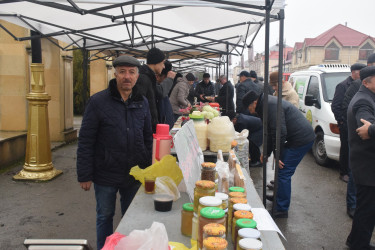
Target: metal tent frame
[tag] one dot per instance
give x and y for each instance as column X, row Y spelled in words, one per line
column 195, row 50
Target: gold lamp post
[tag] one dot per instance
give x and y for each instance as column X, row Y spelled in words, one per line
column 38, row 160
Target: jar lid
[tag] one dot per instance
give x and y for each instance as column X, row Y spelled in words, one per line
column 237, row 195
column 212, row 213
column 238, row 200
column 237, row 189
column 240, row 206
column 210, row 201
column 212, row 243
column 209, row 165
column 249, row 243
column 188, row 207
column 196, row 117
column 222, row 196
column 214, row 229
column 205, row 184
column 249, row 233
column 246, row 223
column 240, row 214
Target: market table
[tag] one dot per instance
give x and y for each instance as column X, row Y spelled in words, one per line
column 141, row 214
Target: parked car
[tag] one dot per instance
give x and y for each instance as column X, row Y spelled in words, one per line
column 316, row 88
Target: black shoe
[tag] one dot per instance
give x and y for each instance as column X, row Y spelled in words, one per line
column 269, row 197
column 350, row 212
column 344, row 178
column 255, row 164
column 279, row 214
column 270, row 186
column 272, row 182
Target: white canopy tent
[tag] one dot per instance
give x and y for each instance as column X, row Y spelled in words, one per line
column 195, row 34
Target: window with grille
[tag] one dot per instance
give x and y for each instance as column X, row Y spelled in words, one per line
column 365, row 51
column 332, row 52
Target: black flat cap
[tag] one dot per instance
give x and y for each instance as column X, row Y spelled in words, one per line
column 357, row 66
column 253, row 74
column 206, row 75
column 366, row 72
column 249, row 98
column 244, row 73
column 371, row 59
column 126, row 61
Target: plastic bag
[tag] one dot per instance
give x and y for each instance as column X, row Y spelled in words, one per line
column 166, row 167
column 165, row 185
column 153, row 238
column 222, row 169
column 112, row 240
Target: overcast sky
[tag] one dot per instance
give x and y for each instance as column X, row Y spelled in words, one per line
column 310, row 18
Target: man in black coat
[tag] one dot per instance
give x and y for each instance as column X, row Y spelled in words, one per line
column 147, row 82
column 362, row 161
column 242, row 88
column 226, row 95
column 338, row 112
column 205, row 89
column 115, row 136
column 297, row 137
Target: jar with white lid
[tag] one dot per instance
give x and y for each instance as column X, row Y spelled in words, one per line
column 250, row 244
column 224, row 198
column 209, row 201
column 245, row 233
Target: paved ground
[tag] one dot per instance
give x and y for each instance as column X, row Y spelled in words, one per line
column 60, row 209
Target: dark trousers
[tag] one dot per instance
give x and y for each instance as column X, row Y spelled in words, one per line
column 105, row 208
column 344, row 151
column 254, row 152
column 364, row 218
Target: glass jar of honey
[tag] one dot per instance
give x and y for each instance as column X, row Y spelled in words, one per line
column 209, row 215
column 202, row 188
column 240, row 214
column 208, row 201
column 233, row 201
column 243, row 223
column 208, row 171
column 224, row 198
column 237, row 189
column 187, row 214
column 250, row 244
column 215, row 243
column 213, row 230
column 245, row 233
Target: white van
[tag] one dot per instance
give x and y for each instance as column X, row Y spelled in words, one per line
column 316, row 88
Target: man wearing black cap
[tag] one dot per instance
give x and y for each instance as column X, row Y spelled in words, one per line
column 362, row 161
column 243, row 87
column 297, row 137
column 225, row 95
column 115, row 136
column 147, row 82
column 338, row 111
column 205, row 89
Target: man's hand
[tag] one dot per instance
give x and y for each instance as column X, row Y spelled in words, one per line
column 281, row 164
column 171, row 74
column 363, row 131
column 261, row 158
column 201, row 97
column 85, row 185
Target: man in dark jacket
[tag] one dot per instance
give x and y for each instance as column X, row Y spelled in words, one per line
column 204, row 89
column 115, row 136
column 338, row 112
column 147, row 82
column 362, row 161
column 297, row 137
column 226, row 94
column 243, row 87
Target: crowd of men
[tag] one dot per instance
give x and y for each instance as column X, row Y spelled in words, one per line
column 118, row 123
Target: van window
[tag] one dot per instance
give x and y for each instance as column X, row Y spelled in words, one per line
column 299, row 86
column 329, row 83
column 313, row 88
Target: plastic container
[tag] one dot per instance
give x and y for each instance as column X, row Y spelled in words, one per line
column 202, row 188
column 240, row 214
column 209, row 201
column 236, row 189
column 200, row 130
column 245, row 233
column 163, row 202
column 215, row 243
column 209, row 215
column 250, row 244
column 214, row 230
column 224, row 198
column 194, row 229
column 162, row 142
column 208, row 171
column 220, row 132
column 187, row 214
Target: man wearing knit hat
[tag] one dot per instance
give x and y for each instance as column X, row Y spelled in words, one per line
column 205, row 89
column 338, row 111
column 147, row 82
column 297, row 137
column 362, row 161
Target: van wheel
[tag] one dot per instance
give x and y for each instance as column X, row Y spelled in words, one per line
column 319, row 150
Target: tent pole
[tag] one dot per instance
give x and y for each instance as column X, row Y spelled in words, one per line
column 227, row 96
column 152, row 27
column 279, row 108
column 132, row 38
column 265, row 97
column 85, row 76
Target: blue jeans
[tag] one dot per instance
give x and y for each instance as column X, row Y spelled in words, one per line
column 350, row 191
column 291, row 158
column 105, row 208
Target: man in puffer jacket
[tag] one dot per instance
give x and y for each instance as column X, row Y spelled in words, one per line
column 115, row 136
